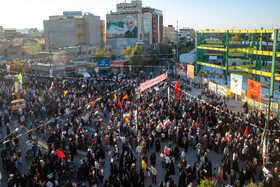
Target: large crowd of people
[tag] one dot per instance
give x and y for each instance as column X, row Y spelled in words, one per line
column 137, row 139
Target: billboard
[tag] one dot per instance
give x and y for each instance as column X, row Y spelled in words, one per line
column 103, row 63
column 122, row 26
column 236, row 83
column 72, row 13
column 190, row 71
column 181, row 69
column 254, row 90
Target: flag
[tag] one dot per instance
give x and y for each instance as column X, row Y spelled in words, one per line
column 176, row 103
column 246, row 131
column 160, row 102
column 89, row 96
column 159, row 122
column 139, row 109
column 264, row 132
column 126, row 115
column 107, row 90
column 264, row 143
column 88, row 106
column 119, row 102
column 228, row 137
column 177, row 93
column 51, row 87
column 28, row 90
column 166, row 122
column 184, row 114
column 125, row 97
column 97, row 112
column 60, row 154
column 83, row 86
column 115, row 97
column 135, row 104
column 63, row 83
column 151, row 105
column 50, row 175
column 65, row 92
column 20, row 78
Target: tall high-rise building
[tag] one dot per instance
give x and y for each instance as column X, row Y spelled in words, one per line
column 133, row 24
column 72, row 28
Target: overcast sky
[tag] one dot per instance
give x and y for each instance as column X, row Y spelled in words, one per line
column 197, row 14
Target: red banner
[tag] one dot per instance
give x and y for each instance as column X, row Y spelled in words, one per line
column 254, row 90
column 177, row 91
column 150, row 83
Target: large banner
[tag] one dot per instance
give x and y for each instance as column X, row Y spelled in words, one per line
column 122, row 26
column 222, row 90
column 254, row 90
column 150, row 83
column 236, row 83
column 190, row 72
column 181, row 69
column 212, row 86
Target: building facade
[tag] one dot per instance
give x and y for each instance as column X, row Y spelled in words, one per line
column 168, row 33
column 133, row 24
column 73, row 29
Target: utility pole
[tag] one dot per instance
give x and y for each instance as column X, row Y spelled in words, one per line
column 271, row 94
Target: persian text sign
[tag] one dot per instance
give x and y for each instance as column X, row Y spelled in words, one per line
column 235, row 83
column 148, row 84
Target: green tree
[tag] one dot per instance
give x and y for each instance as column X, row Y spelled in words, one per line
column 137, row 55
column 101, row 54
column 165, row 50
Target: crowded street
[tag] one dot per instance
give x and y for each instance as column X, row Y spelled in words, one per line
column 93, row 132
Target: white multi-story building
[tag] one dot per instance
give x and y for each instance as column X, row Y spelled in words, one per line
column 73, row 29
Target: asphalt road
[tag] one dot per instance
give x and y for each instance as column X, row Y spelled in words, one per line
column 23, row 140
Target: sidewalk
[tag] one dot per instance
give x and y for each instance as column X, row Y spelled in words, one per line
column 231, row 104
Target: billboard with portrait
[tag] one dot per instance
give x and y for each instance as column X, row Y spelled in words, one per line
column 122, row 26
column 181, row 69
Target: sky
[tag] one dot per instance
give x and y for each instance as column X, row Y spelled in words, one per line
column 197, row 14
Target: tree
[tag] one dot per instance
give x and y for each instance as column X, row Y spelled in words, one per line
column 165, row 50
column 101, row 54
column 137, row 55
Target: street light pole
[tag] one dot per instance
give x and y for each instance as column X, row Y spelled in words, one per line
column 50, row 54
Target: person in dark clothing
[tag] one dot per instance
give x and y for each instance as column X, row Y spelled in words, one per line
column 232, row 177
column 153, row 159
